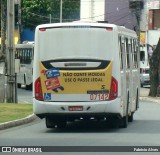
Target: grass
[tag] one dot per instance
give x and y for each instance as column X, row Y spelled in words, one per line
column 11, row 111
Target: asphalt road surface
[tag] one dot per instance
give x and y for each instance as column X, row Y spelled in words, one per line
column 143, row 131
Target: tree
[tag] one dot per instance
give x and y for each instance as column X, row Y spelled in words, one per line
column 35, row 12
column 3, row 29
column 155, row 72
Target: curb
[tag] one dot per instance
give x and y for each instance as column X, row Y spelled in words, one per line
column 150, row 99
column 18, row 122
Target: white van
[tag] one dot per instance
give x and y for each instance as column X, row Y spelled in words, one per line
column 84, row 71
column 144, row 66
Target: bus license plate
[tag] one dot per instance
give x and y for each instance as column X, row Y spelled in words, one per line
column 75, row 108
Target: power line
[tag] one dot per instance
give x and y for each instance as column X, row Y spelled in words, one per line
column 121, row 18
column 76, row 19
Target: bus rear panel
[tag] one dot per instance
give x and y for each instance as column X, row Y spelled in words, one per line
column 74, row 72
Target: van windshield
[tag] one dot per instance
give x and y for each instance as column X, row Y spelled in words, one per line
column 142, row 55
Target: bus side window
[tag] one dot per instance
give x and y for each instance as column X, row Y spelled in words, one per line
column 130, row 53
column 132, row 44
column 127, row 54
column 120, row 53
column 135, row 54
column 123, row 52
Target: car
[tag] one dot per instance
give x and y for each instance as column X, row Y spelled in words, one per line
column 144, row 66
column 144, row 76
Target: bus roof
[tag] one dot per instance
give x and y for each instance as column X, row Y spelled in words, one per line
column 24, row 45
column 119, row 29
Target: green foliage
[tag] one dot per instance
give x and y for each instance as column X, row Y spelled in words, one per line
column 11, row 111
column 35, row 12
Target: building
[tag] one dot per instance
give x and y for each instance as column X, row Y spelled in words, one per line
column 150, row 15
column 92, row 10
column 118, row 12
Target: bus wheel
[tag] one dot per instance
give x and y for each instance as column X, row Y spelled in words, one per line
column 19, row 85
column 130, row 118
column 29, row 87
column 124, row 120
column 49, row 122
column 61, row 124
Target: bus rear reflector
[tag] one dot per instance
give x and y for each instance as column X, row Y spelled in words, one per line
column 38, row 90
column 42, row 29
column 114, row 89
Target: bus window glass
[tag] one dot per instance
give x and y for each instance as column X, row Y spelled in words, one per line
column 127, row 54
column 135, row 55
column 121, row 53
column 25, row 55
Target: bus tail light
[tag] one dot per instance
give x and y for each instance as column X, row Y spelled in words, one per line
column 114, row 89
column 109, row 28
column 38, row 90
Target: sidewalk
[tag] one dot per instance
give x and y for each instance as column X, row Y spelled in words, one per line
column 143, row 97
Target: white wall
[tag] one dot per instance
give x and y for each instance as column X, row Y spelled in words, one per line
column 92, row 10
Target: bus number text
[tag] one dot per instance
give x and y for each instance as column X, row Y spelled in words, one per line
column 99, row 97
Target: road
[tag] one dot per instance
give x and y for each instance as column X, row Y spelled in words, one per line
column 143, row 131
column 24, row 96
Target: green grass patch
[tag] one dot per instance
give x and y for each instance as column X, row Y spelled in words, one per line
column 11, row 111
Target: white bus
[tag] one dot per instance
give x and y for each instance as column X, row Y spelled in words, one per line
column 85, row 71
column 25, row 53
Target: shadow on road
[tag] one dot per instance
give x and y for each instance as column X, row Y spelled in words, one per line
column 137, row 126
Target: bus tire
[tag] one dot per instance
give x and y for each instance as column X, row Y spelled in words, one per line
column 18, row 85
column 124, row 122
column 130, row 118
column 49, row 122
column 29, row 87
column 61, row 124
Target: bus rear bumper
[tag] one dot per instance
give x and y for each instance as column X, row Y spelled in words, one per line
column 81, row 109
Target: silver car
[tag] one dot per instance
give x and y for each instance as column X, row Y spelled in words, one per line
column 144, row 76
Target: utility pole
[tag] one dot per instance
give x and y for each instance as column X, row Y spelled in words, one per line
column 138, row 14
column 11, row 82
column 19, row 21
column 61, row 12
column 50, row 18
